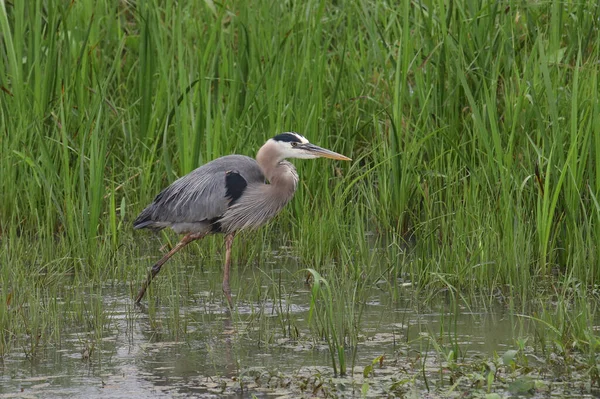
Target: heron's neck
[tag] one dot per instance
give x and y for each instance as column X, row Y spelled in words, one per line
column 281, row 174
column 268, row 160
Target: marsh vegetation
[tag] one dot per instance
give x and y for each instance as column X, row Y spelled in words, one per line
column 475, row 132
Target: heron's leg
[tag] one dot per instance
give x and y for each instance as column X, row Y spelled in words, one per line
column 226, row 290
column 156, row 268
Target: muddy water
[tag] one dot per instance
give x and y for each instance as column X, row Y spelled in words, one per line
column 196, row 348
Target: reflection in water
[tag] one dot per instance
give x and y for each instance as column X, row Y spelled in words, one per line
column 198, row 348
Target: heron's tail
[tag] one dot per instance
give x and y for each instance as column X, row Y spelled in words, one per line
column 145, row 221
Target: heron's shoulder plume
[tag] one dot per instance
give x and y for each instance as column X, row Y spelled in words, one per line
column 235, row 184
column 290, row 137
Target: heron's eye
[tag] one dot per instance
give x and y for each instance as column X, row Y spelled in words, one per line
column 294, row 144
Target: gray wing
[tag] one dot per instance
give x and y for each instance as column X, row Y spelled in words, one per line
column 203, row 195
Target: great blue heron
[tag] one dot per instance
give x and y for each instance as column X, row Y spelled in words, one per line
column 229, row 194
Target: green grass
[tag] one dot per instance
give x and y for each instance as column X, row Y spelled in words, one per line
column 474, row 128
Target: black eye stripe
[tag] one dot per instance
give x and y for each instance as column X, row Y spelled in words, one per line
column 287, row 137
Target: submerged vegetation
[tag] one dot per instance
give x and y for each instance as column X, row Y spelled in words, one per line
column 474, row 127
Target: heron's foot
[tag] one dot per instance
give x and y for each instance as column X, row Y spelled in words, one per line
column 140, row 306
column 155, row 269
column 227, row 292
column 309, row 278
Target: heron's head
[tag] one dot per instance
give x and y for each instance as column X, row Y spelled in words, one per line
column 293, row 145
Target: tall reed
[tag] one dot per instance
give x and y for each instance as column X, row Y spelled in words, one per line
column 473, row 125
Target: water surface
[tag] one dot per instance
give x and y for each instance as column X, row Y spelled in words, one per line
column 190, row 345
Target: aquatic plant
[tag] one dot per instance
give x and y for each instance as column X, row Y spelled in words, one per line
column 473, row 125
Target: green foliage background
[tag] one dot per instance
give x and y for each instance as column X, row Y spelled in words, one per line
column 473, row 125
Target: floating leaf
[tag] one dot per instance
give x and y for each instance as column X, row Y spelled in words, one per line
column 522, row 386
column 509, row 357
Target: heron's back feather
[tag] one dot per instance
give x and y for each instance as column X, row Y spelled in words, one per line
column 191, row 202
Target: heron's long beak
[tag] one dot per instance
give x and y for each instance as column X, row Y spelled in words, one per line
column 322, row 152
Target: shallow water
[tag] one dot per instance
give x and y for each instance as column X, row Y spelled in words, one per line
column 191, row 346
